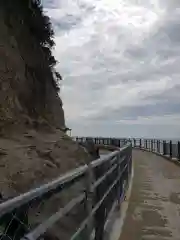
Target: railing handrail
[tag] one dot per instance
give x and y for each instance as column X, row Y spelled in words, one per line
column 26, row 197
column 7, row 206
column 64, row 179
column 115, row 166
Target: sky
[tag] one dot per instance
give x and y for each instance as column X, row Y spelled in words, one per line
column 120, row 63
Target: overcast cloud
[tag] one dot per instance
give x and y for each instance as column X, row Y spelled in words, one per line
column 120, row 61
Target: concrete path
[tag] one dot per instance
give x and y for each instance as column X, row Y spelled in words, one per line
column 154, row 205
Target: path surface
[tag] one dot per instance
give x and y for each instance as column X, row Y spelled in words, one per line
column 154, row 205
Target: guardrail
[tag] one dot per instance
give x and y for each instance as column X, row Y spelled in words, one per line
column 118, row 142
column 170, row 149
column 103, row 183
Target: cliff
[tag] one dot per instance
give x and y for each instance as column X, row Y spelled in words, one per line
column 33, row 149
column 28, row 89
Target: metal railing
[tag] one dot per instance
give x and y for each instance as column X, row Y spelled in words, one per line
column 166, row 148
column 102, row 183
column 118, row 142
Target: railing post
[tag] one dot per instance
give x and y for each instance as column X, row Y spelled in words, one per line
column 157, row 146
column 159, row 149
column 164, row 147
column 134, row 142
column 119, row 185
column 100, row 214
column 178, row 146
column 116, row 142
column 140, row 142
column 154, row 141
column 151, row 145
column 170, row 149
column 89, row 200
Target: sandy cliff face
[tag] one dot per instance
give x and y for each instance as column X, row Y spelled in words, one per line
column 33, row 149
column 26, row 84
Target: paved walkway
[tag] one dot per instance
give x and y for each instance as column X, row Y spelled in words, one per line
column 154, row 204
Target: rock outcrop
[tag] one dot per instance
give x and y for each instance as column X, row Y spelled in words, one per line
column 28, row 94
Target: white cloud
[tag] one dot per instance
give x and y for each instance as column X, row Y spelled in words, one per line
column 117, row 54
column 155, row 120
